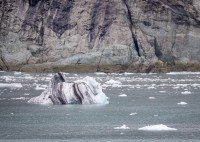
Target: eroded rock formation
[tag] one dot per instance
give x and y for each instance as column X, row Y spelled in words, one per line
column 98, row 32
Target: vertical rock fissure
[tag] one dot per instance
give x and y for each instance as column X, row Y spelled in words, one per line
column 131, row 26
column 2, row 58
column 94, row 22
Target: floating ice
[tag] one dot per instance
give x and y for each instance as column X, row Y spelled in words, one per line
column 151, row 87
column 100, row 73
column 159, row 127
column 85, row 91
column 186, row 92
column 39, row 88
column 17, row 73
column 122, row 95
column 10, row 85
column 7, row 78
column 113, row 82
column 123, row 127
column 20, row 98
column 175, row 73
column 26, row 94
column 133, row 113
column 182, row 103
column 152, row 98
column 128, row 73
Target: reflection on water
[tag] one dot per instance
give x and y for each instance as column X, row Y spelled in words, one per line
column 135, row 101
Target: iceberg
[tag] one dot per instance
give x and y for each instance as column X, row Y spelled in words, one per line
column 84, row 91
column 123, row 127
column 159, row 127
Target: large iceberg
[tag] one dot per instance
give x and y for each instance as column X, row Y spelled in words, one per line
column 85, row 91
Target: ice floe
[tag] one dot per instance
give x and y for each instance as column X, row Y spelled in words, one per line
column 175, row 73
column 10, row 85
column 134, row 113
column 186, row 93
column 122, row 95
column 17, row 73
column 39, row 88
column 20, row 98
column 159, row 127
column 113, row 82
column 123, row 127
column 152, row 98
column 182, row 103
column 100, row 73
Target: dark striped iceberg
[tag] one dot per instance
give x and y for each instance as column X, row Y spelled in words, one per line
column 85, row 91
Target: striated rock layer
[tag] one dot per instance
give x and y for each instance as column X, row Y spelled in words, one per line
column 98, row 32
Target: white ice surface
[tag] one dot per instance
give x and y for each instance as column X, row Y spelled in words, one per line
column 123, row 127
column 159, row 127
column 112, row 82
column 134, row 113
column 152, row 98
column 123, row 95
column 20, row 98
column 182, row 103
column 10, row 85
column 175, row 73
column 186, row 92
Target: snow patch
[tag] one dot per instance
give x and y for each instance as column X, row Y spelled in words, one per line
column 159, row 127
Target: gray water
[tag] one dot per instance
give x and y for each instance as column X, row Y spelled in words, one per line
column 152, row 98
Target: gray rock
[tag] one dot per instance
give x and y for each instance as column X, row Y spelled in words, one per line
column 116, row 32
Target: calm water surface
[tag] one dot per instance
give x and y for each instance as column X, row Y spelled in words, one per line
column 151, row 99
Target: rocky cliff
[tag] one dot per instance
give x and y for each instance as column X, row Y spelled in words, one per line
column 98, row 32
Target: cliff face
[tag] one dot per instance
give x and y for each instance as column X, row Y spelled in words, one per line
column 116, row 32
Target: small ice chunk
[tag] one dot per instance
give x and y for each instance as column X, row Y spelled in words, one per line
column 7, row 78
column 20, row 98
column 151, row 87
column 123, row 95
column 10, row 85
column 26, row 94
column 182, row 103
column 111, row 82
column 133, row 113
column 123, row 127
column 128, row 73
column 162, row 91
column 100, row 73
column 159, row 127
column 186, row 92
column 17, row 73
column 11, row 113
column 39, row 88
column 152, row 98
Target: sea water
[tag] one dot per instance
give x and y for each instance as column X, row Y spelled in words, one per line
column 142, row 108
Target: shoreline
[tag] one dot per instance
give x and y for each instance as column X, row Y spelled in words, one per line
column 85, row 68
